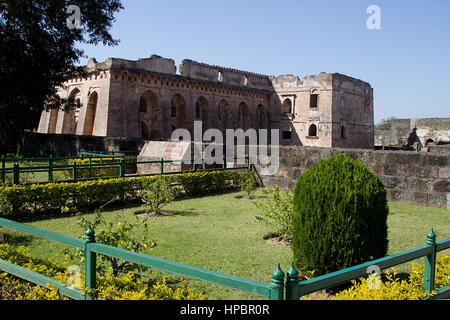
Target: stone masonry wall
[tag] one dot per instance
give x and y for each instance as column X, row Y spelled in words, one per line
column 65, row 145
column 411, row 177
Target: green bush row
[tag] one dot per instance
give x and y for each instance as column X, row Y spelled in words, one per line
column 33, row 199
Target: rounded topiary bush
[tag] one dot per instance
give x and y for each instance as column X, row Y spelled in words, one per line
column 340, row 216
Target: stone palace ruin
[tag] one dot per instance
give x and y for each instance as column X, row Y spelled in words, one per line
column 148, row 99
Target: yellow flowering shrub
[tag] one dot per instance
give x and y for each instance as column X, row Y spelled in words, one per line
column 394, row 288
column 126, row 287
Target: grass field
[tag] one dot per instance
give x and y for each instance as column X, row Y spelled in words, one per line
column 221, row 233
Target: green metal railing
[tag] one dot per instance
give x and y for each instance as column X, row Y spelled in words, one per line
column 295, row 289
column 283, row 286
column 105, row 162
column 273, row 291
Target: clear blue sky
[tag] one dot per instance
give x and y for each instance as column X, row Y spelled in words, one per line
column 406, row 62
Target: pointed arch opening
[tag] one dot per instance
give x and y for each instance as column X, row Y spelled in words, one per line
column 202, row 105
column 178, row 112
column 72, row 113
column 263, row 117
column 150, row 114
column 244, row 116
column 91, row 111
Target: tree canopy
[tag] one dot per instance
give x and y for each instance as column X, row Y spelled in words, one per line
column 38, row 52
column 385, row 124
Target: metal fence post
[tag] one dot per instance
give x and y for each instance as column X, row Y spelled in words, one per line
column 74, row 171
column 247, row 159
column 292, row 279
column 15, row 173
column 430, row 263
column 278, row 282
column 224, row 163
column 90, row 262
column 50, row 169
column 162, row 166
column 3, row 176
column 122, row 168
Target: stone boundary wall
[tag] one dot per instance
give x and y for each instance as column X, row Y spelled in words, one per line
column 411, row 177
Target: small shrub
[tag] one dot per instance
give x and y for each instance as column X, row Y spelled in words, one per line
column 156, row 193
column 340, row 216
column 248, row 183
column 125, row 235
column 277, row 210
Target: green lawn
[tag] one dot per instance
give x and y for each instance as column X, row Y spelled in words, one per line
column 220, row 233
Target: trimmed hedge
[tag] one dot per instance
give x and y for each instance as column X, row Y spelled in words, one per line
column 340, row 216
column 35, row 199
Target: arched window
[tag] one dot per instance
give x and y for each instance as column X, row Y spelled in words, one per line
column 244, row 120
column 287, row 106
column 178, row 111
column 225, row 117
column 203, row 107
column 220, row 76
column 198, row 111
column 314, row 101
column 342, row 131
column 72, row 113
column 143, row 105
column 263, row 117
column 150, row 113
column 312, row 131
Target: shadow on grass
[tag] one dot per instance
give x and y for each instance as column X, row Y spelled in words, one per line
column 15, row 240
column 166, row 213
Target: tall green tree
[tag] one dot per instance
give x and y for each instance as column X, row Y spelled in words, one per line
column 38, row 52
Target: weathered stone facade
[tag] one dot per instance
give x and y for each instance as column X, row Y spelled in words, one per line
column 148, row 99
